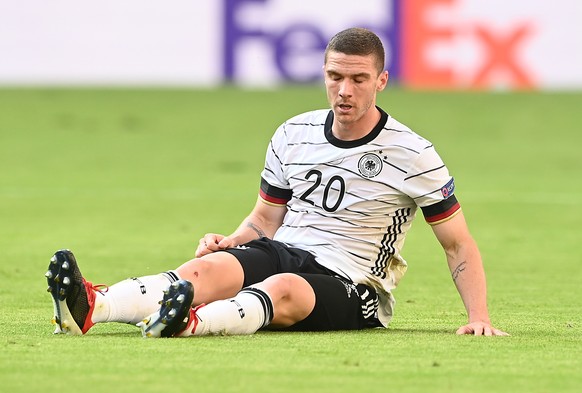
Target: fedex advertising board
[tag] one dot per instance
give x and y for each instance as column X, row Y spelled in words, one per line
column 434, row 44
column 278, row 40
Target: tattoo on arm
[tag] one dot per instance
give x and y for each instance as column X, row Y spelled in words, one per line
column 460, row 268
column 255, row 228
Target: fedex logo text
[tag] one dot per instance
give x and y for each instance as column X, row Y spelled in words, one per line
column 294, row 46
column 429, row 43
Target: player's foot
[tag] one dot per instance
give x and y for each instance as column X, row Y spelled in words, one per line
column 175, row 313
column 73, row 297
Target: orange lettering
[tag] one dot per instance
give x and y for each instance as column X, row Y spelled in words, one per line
column 500, row 56
column 417, row 34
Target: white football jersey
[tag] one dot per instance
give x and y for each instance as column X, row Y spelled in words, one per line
column 351, row 203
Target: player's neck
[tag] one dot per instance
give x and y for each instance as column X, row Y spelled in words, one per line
column 351, row 131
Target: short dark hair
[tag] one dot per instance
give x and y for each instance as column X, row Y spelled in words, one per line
column 357, row 41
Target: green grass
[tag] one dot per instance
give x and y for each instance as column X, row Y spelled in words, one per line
column 130, row 180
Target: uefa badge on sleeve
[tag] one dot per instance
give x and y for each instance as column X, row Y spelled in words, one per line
column 448, row 189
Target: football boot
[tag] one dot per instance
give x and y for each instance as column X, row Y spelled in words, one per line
column 175, row 313
column 73, row 297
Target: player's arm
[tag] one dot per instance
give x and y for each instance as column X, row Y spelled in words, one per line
column 263, row 221
column 466, row 266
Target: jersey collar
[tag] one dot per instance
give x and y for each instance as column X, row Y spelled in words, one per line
column 357, row 142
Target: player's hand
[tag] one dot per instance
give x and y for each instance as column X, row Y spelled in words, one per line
column 212, row 242
column 481, row 329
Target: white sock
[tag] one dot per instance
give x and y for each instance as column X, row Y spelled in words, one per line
column 247, row 312
column 131, row 300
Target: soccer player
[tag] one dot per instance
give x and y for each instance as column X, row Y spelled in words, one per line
column 321, row 248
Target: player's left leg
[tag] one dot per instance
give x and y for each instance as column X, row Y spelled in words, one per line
column 340, row 305
column 280, row 301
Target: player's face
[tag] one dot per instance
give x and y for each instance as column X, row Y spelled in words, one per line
column 352, row 83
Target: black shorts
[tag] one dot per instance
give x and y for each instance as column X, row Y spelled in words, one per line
column 340, row 304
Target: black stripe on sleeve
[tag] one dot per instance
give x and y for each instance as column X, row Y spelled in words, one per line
column 276, row 195
column 440, row 209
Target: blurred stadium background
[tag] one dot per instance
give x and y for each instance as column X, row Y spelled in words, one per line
column 444, row 44
column 128, row 128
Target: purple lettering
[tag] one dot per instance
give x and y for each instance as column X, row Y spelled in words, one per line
column 298, row 47
column 234, row 33
column 298, row 53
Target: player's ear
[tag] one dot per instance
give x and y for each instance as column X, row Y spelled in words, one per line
column 382, row 80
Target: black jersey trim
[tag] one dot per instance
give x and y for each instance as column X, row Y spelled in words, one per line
column 358, row 142
column 275, row 195
column 442, row 210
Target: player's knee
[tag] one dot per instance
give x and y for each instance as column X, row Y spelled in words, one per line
column 293, row 298
column 220, row 266
column 196, row 268
column 288, row 288
column 279, row 286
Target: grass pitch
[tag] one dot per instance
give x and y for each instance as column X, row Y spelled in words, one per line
column 130, row 180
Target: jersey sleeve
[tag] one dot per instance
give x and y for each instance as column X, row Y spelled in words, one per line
column 431, row 187
column 275, row 188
